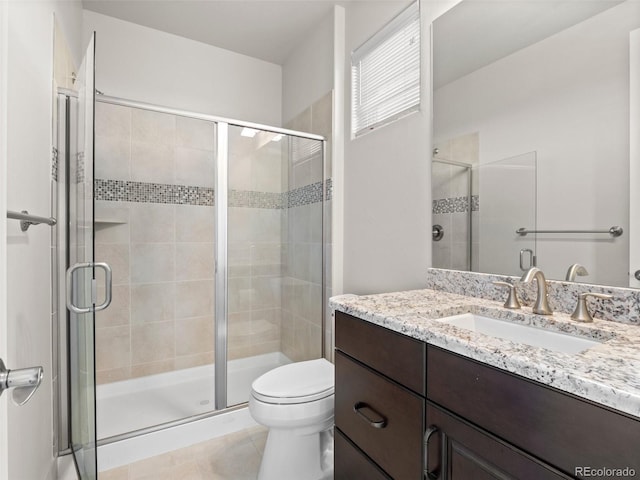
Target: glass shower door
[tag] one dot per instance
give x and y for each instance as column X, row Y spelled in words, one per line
column 508, row 199
column 273, row 255
column 256, row 164
column 80, row 277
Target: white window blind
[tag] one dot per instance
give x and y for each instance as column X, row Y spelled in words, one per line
column 385, row 73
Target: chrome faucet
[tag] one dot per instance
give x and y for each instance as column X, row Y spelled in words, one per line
column 575, row 269
column 541, row 306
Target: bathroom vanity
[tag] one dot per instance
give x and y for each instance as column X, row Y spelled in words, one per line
column 417, row 397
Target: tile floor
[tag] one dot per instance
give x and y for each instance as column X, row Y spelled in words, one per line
column 232, row 457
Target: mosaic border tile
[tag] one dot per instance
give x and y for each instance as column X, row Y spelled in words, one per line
column 54, row 164
column 475, row 203
column 455, row 205
column 254, row 199
column 306, row 195
column 80, row 167
column 143, row 192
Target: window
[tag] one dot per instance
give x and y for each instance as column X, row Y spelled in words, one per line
column 385, row 73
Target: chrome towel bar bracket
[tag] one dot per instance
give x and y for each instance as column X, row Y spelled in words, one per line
column 614, row 231
column 26, row 219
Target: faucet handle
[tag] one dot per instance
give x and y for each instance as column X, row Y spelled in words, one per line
column 581, row 313
column 512, row 299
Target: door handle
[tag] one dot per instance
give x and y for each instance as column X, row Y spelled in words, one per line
column 532, row 259
column 367, row 414
column 24, row 381
column 428, row 473
column 107, row 286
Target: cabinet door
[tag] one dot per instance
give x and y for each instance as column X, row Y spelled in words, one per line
column 459, row 451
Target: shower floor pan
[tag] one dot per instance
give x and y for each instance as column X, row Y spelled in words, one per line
column 130, row 405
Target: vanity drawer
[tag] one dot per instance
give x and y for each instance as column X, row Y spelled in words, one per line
column 352, row 464
column 397, row 356
column 396, row 445
column 556, row 427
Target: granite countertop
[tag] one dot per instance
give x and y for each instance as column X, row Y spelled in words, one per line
column 608, row 373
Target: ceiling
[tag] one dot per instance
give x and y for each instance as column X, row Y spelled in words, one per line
column 264, row 29
column 469, row 36
column 476, row 33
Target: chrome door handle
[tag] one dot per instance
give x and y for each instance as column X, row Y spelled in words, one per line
column 24, row 381
column 107, row 280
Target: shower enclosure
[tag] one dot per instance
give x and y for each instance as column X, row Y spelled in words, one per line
column 452, row 214
column 478, row 206
column 213, row 230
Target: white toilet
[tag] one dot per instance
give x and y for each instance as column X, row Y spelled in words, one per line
column 296, row 402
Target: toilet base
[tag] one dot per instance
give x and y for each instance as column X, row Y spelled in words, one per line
column 297, row 457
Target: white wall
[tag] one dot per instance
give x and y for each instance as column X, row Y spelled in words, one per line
column 28, row 75
column 572, row 109
column 4, row 344
column 307, row 74
column 148, row 65
column 387, row 186
column 634, row 157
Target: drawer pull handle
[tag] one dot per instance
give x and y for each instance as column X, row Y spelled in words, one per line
column 361, row 407
column 435, row 475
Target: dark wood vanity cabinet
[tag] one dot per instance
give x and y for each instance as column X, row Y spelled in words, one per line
column 380, row 402
column 466, row 452
column 408, row 411
column 563, row 434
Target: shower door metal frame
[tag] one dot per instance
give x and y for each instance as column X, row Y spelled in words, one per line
column 221, row 266
column 221, row 319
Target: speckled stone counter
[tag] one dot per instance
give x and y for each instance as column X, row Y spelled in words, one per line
column 608, row 373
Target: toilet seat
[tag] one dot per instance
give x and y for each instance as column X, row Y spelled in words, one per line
column 299, row 382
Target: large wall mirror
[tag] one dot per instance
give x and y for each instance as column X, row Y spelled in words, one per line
column 532, row 119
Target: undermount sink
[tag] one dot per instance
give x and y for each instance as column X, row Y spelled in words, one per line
column 535, row 337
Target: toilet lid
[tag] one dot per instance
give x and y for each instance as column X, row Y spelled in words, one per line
column 297, row 382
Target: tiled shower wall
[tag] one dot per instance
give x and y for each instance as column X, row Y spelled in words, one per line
column 154, row 224
column 302, row 287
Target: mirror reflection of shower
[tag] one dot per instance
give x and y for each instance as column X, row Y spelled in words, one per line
column 455, row 202
column 471, row 238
